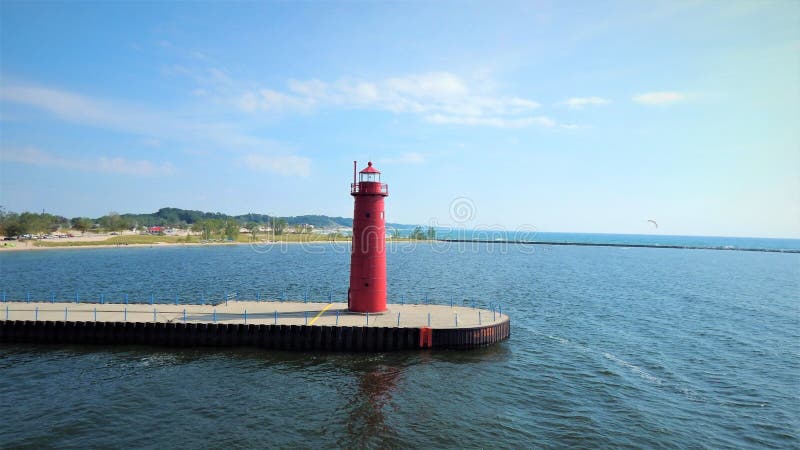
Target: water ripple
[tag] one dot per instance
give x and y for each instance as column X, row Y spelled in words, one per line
column 637, row 348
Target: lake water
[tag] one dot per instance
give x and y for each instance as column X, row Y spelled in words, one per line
column 610, row 347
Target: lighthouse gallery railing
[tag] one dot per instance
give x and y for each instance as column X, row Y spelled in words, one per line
column 369, row 188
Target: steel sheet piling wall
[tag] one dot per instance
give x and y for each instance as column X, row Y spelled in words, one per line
column 281, row 337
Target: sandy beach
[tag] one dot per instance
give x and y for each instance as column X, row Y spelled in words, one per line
column 29, row 246
column 94, row 241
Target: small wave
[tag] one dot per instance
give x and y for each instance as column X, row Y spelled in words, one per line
column 744, row 404
column 559, row 339
column 158, row 360
column 634, row 368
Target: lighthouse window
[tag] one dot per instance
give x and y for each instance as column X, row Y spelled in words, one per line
column 367, row 214
column 370, row 177
column 366, row 284
column 381, row 214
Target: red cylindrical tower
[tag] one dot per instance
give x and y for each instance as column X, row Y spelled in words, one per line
column 367, row 291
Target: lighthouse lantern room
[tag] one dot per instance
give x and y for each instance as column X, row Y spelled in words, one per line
column 367, row 293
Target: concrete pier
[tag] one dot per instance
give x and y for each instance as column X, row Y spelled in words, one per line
column 277, row 325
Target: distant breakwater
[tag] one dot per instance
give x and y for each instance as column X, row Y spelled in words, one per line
column 609, row 244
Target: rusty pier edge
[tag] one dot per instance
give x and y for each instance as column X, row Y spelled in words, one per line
column 267, row 336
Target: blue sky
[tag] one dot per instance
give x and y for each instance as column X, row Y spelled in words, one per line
column 554, row 116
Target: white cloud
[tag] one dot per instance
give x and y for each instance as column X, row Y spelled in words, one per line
column 69, row 106
column 152, row 125
column 284, row 165
column 405, row 158
column 430, row 85
column 659, row 98
column 84, row 110
column 581, row 102
column 269, row 100
column 37, row 157
column 431, row 94
column 314, row 89
column 499, row 122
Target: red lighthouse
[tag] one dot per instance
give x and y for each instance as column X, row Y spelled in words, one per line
column 367, row 291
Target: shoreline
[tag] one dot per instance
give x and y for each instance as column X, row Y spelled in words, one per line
column 30, row 248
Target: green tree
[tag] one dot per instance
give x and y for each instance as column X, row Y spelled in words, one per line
column 15, row 229
column 31, row 223
column 81, row 224
column 431, row 234
column 205, row 228
column 252, row 227
column 11, row 225
column 198, row 228
column 114, row 222
column 278, row 225
column 231, row 230
column 218, row 227
column 417, row 233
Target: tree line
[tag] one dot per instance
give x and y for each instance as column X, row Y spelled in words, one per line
column 419, row 234
column 13, row 224
column 184, row 218
column 19, row 224
column 207, row 224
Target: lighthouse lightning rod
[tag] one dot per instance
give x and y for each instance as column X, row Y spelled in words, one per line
column 355, row 168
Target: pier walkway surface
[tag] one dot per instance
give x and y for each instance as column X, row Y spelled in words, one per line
column 256, row 313
column 281, row 325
